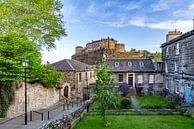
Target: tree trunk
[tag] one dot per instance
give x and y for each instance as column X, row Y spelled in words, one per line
column 104, row 117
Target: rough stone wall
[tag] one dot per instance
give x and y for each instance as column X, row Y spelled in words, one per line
column 184, row 76
column 120, row 48
column 77, row 85
column 38, row 97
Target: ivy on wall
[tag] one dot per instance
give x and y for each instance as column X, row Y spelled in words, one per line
column 6, row 97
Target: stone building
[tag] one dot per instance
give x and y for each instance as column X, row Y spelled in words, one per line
column 178, row 57
column 79, row 75
column 143, row 75
column 94, row 51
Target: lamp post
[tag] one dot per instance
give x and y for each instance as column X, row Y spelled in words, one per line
column 25, row 64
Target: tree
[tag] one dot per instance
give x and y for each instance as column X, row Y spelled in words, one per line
column 39, row 20
column 103, row 92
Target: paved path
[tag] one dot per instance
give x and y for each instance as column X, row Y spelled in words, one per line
column 18, row 122
column 135, row 103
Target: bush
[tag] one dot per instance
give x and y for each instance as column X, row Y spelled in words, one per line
column 125, row 103
column 172, row 104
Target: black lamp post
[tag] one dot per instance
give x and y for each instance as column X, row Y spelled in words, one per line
column 25, row 64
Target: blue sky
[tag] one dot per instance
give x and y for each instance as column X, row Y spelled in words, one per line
column 140, row 24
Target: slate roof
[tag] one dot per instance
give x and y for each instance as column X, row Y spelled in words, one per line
column 183, row 36
column 71, row 65
column 131, row 65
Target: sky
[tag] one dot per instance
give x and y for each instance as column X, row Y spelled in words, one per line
column 140, row 24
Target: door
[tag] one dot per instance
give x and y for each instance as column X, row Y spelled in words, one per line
column 130, row 80
column 66, row 92
column 188, row 95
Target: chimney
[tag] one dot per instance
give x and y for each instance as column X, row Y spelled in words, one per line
column 193, row 23
column 173, row 34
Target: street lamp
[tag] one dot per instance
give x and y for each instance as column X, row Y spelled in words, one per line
column 25, row 64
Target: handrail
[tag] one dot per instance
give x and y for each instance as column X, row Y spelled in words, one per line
column 40, row 113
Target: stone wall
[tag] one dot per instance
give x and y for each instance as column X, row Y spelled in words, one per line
column 179, row 67
column 38, row 97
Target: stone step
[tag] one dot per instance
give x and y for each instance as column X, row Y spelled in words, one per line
column 132, row 91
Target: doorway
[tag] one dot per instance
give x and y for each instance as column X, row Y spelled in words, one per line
column 130, row 80
column 66, row 89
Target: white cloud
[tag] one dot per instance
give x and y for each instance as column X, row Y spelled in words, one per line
column 92, row 9
column 185, row 13
column 68, row 11
column 76, row 21
column 132, row 6
column 162, row 5
column 182, row 25
column 191, row 6
column 108, row 4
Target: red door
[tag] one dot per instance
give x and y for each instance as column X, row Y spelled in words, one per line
column 130, row 81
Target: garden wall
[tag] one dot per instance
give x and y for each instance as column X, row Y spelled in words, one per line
column 38, row 97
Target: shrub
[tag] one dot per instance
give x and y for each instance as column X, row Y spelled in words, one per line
column 148, row 106
column 172, row 104
column 125, row 103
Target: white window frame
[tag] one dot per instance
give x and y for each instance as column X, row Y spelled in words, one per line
column 151, row 78
column 119, row 77
column 167, row 51
column 177, row 49
column 130, row 64
column 175, row 66
column 166, row 67
column 140, row 79
column 167, row 82
column 141, row 64
column 116, row 64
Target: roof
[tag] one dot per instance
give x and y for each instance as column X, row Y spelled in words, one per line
column 71, row 65
column 183, row 36
column 131, row 65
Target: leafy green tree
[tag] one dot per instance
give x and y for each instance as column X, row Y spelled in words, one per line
column 13, row 49
column 40, row 20
column 103, row 92
column 158, row 56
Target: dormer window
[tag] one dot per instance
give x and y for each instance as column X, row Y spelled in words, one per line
column 141, row 64
column 130, row 64
column 116, row 64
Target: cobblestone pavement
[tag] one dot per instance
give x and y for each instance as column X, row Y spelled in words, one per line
column 54, row 113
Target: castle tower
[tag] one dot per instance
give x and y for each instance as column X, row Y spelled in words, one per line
column 120, row 48
column 78, row 49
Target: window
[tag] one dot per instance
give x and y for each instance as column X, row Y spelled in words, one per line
column 90, row 74
column 80, row 77
column 140, row 79
column 167, row 82
column 167, row 51
column 166, row 67
column 86, row 76
column 130, row 64
column 141, row 64
column 177, row 49
column 151, row 79
column 177, row 87
column 116, row 64
column 175, row 66
column 120, row 77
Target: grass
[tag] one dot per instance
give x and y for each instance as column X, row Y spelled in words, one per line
column 153, row 102
column 137, row 122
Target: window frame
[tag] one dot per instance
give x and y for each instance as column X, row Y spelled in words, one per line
column 138, row 79
column 153, row 79
column 119, row 78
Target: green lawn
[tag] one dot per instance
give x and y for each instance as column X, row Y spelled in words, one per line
column 157, row 102
column 137, row 122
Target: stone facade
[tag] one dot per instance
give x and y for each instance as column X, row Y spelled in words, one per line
column 145, row 75
column 38, row 97
column 178, row 57
column 79, row 75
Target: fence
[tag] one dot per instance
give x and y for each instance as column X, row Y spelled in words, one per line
column 67, row 121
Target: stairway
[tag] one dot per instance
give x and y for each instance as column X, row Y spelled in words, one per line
column 132, row 91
